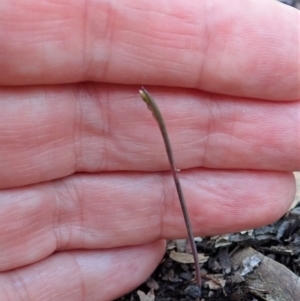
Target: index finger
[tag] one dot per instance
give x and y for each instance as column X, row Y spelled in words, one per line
column 243, row 48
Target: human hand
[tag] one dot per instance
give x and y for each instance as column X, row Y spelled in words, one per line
column 85, row 200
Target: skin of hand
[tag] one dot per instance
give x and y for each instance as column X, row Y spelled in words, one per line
column 86, row 197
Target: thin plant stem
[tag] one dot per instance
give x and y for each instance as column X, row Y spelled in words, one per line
column 152, row 106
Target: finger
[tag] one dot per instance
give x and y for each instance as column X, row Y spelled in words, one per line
column 52, row 132
column 82, row 275
column 230, row 47
column 113, row 210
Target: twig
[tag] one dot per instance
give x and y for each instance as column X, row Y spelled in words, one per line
column 152, row 106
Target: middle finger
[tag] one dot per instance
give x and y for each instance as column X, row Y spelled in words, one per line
column 52, row 132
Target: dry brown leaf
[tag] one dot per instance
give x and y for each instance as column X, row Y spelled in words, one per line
column 149, row 297
column 186, row 258
column 213, row 285
column 270, row 280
